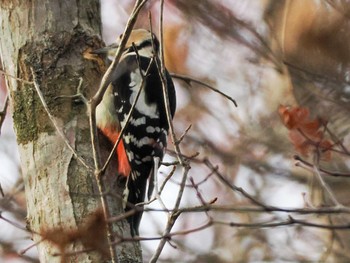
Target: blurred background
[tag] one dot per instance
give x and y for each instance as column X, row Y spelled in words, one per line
column 263, row 54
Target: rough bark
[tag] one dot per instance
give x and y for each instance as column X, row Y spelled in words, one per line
column 48, row 38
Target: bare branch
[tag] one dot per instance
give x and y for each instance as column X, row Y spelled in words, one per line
column 128, row 117
column 3, row 112
column 289, row 222
column 58, row 129
column 106, row 80
column 2, row 192
column 189, row 79
column 256, row 209
column 301, row 163
column 235, row 188
column 13, row 77
column 323, row 183
column 16, row 225
column 162, row 73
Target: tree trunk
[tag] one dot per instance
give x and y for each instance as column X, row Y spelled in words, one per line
column 47, row 39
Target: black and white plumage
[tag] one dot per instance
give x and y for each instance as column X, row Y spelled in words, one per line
column 145, row 136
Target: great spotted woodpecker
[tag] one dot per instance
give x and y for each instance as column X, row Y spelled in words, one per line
column 145, row 136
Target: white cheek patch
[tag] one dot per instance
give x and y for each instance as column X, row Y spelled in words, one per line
column 105, row 111
column 149, row 110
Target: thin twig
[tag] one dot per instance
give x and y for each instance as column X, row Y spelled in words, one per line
column 336, row 140
column 3, row 112
column 255, row 209
column 157, row 192
column 13, row 77
column 235, row 188
column 58, row 129
column 289, row 222
column 17, row 225
column 93, row 103
column 189, row 79
column 106, row 80
column 2, row 192
column 161, row 189
column 167, row 178
column 192, row 230
column 162, row 73
column 200, row 197
column 128, row 118
column 301, row 161
column 122, row 216
column 187, row 157
column 324, row 184
column 284, row 26
column 78, row 96
column 25, row 250
column 206, row 178
column 184, row 134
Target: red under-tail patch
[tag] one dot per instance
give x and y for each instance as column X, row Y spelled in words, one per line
column 123, row 162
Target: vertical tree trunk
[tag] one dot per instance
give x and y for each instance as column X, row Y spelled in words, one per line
column 47, row 38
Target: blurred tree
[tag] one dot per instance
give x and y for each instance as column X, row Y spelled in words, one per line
column 313, row 40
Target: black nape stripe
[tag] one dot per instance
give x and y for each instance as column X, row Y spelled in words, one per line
column 146, row 43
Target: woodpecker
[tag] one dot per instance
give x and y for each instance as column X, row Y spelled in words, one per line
column 145, row 136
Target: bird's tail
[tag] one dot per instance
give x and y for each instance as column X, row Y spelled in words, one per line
column 134, row 194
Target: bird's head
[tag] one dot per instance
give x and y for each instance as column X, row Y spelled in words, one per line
column 139, row 39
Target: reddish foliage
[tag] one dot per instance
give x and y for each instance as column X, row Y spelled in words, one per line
column 92, row 234
column 305, row 133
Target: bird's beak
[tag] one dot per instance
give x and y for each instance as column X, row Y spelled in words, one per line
column 106, row 50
